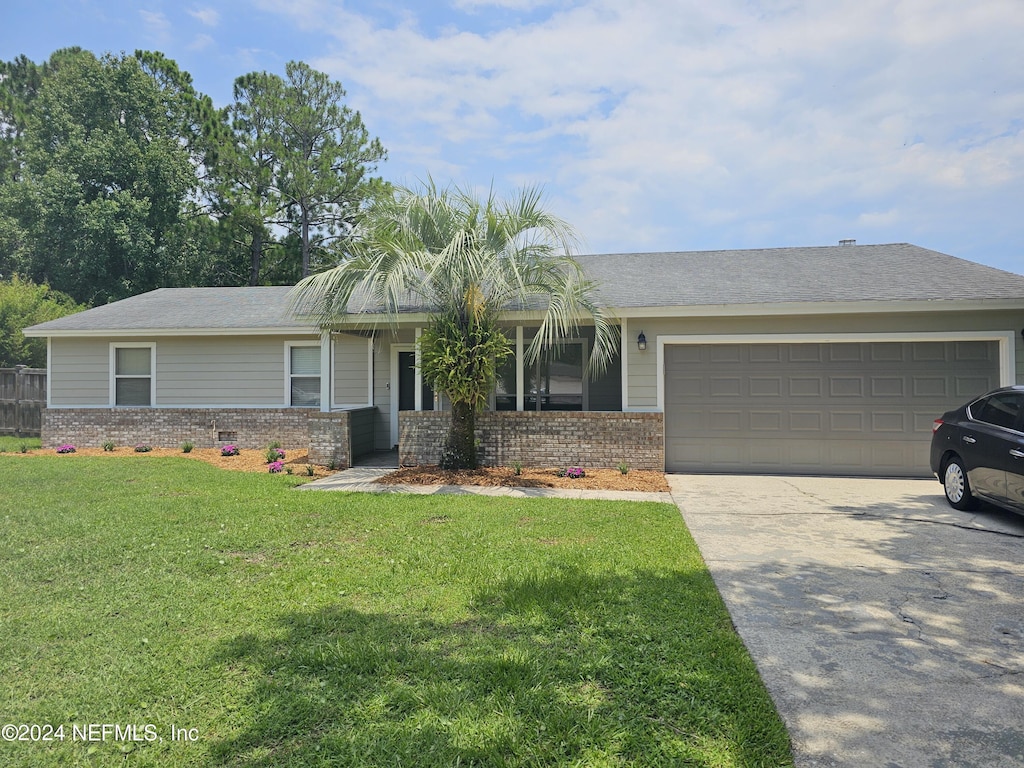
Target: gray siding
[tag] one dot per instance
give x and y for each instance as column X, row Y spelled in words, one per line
column 351, row 377
column 239, row 371
column 195, row 371
column 79, row 372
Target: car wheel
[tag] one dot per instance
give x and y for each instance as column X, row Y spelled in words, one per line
column 956, row 485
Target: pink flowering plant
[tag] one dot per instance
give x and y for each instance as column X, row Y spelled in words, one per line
column 229, row 450
column 275, row 466
column 274, row 454
column 572, row 472
column 66, row 448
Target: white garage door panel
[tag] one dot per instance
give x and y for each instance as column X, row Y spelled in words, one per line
column 851, row 408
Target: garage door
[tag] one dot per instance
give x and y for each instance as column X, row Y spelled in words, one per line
column 851, row 409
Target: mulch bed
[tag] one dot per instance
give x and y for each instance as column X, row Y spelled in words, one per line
column 595, row 480
column 254, row 460
column 248, row 459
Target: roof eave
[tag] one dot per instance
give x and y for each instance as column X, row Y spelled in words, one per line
column 305, row 330
column 822, row 308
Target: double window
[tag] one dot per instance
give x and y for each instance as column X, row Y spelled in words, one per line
column 555, row 382
column 131, row 379
column 304, row 375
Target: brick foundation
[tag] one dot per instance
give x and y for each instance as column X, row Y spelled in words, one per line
column 170, row 427
column 546, row 439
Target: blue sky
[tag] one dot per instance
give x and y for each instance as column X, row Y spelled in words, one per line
column 653, row 124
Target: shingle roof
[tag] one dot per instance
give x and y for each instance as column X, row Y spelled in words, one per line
column 852, row 273
column 186, row 309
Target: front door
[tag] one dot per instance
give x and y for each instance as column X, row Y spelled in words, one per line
column 407, row 385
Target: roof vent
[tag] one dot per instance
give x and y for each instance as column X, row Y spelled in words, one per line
column 847, row 242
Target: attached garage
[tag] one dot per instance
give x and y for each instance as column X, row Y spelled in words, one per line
column 857, row 408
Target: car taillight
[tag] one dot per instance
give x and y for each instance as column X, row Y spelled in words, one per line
column 936, row 424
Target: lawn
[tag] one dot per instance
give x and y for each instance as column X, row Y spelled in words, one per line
column 221, row 618
column 11, row 444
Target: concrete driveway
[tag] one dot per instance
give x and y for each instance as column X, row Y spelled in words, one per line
column 888, row 627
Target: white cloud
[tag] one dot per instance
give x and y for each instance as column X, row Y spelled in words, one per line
column 157, row 26
column 672, row 114
column 201, row 42
column 208, row 16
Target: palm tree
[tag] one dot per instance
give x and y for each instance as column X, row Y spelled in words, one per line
column 464, row 261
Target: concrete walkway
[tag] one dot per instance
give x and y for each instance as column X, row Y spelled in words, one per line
column 888, row 627
column 364, row 479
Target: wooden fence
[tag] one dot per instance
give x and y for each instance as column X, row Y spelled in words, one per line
column 22, row 398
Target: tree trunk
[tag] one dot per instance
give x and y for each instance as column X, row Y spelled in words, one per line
column 305, row 242
column 459, row 450
column 256, row 255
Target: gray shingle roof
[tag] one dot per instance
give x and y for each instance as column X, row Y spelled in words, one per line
column 855, row 273
column 186, row 309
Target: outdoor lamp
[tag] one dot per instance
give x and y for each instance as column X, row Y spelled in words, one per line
column 641, row 342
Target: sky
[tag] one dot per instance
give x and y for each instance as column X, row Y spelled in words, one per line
column 651, row 125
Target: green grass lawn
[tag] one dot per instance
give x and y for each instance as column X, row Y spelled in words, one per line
column 9, row 444
column 296, row 628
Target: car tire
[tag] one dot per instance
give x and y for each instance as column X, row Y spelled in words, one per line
column 956, row 485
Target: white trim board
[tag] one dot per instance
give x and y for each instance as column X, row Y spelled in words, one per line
column 1006, row 340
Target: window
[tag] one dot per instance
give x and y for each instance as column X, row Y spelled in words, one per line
column 552, row 383
column 132, row 374
column 1001, row 410
column 557, row 382
column 304, row 376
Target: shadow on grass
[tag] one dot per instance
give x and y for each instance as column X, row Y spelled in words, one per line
column 566, row 668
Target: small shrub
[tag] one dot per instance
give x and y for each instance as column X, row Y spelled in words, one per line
column 108, row 446
column 332, row 465
column 572, row 472
column 517, row 468
column 229, row 450
column 287, row 470
column 274, row 444
column 66, row 448
column 309, row 470
column 623, row 467
column 187, row 447
column 143, row 448
column 274, row 454
column 23, row 448
column 275, row 466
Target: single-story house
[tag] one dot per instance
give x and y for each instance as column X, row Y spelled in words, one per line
column 814, row 360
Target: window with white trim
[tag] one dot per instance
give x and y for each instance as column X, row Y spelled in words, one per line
column 304, row 376
column 132, row 374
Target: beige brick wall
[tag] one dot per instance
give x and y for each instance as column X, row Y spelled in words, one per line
column 545, row 439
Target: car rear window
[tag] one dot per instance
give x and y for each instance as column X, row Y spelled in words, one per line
column 1002, row 410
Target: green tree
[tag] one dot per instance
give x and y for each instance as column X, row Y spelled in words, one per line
column 23, row 303
column 328, row 152
column 300, row 161
column 107, row 159
column 249, row 166
column 465, row 261
column 19, row 83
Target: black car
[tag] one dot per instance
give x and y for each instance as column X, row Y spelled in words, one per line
column 978, row 451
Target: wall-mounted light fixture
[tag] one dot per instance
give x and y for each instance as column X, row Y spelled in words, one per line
column 641, row 342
